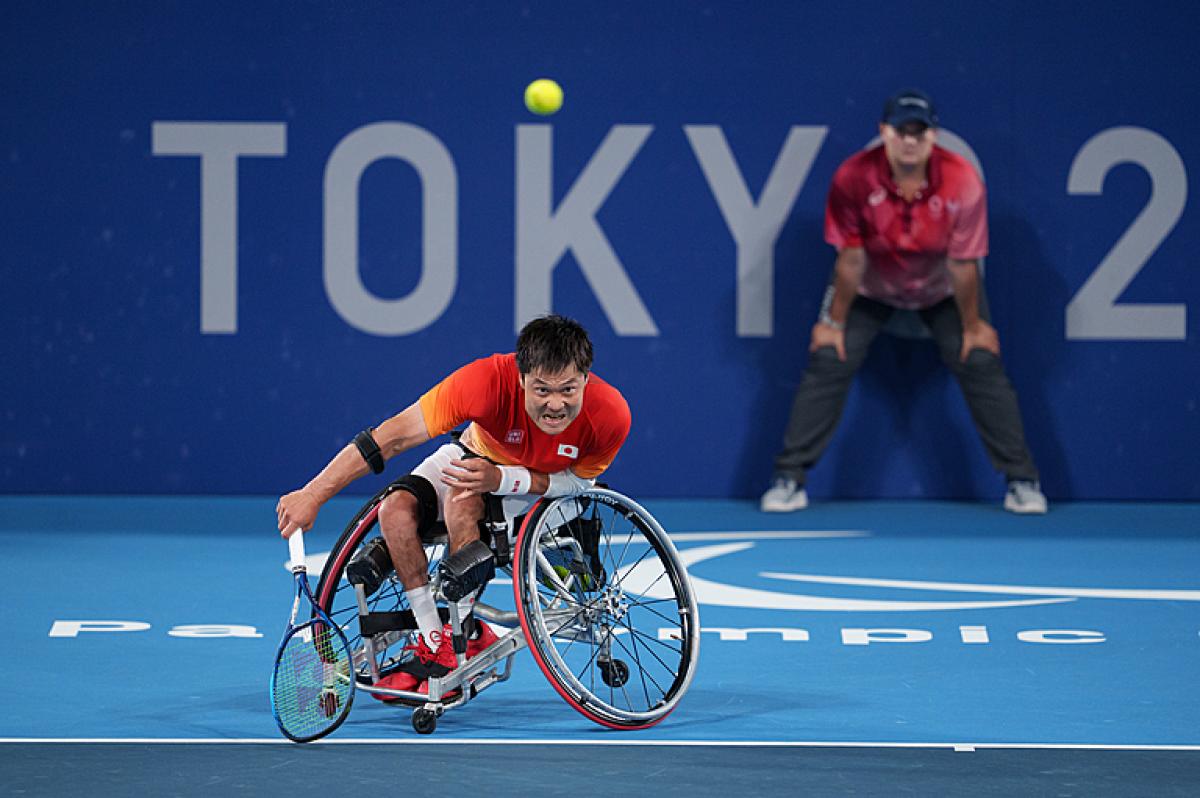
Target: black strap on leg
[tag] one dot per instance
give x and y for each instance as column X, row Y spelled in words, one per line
column 369, row 449
column 467, row 569
column 370, row 566
column 374, row 623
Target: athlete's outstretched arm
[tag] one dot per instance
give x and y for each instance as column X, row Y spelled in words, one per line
column 399, row 433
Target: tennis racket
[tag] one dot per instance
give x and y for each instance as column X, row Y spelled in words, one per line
column 313, row 684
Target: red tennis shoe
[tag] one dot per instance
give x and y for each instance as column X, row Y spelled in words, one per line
column 426, row 663
column 484, row 637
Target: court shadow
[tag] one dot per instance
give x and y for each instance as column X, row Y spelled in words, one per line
column 908, row 401
column 1034, row 345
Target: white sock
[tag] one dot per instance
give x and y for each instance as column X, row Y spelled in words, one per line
column 425, row 610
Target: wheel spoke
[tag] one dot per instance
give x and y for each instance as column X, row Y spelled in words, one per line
column 579, row 629
column 641, row 670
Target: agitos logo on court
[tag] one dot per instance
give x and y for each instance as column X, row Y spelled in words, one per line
column 712, row 593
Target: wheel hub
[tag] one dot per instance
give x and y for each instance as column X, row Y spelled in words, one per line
column 614, row 603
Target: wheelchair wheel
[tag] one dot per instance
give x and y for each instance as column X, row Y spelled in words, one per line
column 336, row 596
column 606, row 607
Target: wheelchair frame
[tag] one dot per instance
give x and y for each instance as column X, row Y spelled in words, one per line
column 556, row 605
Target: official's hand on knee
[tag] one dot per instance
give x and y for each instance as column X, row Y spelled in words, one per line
column 979, row 335
column 296, row 510
column 824, row 335
column 471, row 477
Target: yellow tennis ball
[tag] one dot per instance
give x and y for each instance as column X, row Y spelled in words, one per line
column 543, row 96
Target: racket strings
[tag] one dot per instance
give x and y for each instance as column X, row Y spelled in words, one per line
column 312, row 684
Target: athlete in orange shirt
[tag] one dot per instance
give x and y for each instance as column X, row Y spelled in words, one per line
column 540, row 425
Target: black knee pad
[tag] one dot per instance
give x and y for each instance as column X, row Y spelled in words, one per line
column 427, row 501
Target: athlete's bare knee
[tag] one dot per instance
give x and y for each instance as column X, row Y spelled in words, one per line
column 399, row 514
column 399, row 521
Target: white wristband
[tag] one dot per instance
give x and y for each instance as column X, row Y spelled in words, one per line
column 513, row 480
column 828, row 321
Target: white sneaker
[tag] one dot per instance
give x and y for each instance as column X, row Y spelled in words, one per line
column 784, row 497
column 1025, row 496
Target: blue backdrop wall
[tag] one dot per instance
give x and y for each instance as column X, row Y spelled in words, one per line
column 235, row 234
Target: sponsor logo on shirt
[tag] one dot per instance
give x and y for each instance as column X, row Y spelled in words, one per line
column 935, row 206
column 514, row 436
column 567, row 450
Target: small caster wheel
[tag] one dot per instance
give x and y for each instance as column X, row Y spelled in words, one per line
column 424, row 721
column 614, row 672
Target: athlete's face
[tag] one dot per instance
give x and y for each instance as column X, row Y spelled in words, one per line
column 908, row 145
column 553, row 400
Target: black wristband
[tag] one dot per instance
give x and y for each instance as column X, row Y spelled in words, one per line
column 369, row 449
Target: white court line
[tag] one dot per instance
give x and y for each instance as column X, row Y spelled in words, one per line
column 650, row 743
column 795, row 534
column 1015, row 590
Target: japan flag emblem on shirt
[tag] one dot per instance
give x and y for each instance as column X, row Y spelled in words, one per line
column 567, row 450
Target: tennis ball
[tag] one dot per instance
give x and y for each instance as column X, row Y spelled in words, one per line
column 543, row 96
column 564, row 573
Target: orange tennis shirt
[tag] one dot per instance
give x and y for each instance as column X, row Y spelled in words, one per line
column 487, row 392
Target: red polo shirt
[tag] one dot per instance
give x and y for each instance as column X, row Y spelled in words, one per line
column 907, row 243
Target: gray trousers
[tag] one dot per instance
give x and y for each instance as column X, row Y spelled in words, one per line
column 821, row 396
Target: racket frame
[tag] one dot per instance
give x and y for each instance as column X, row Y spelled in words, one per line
column 317, row 617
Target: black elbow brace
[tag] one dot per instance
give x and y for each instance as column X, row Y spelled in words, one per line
column 369, row 449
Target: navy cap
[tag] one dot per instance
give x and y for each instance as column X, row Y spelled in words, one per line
column 909, row 105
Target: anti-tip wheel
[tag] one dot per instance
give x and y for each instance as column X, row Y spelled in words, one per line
column 424, row 721
column 614, row 672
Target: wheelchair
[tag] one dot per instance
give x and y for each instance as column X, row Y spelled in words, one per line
column 603, row 603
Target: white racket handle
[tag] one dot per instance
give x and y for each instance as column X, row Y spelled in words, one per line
column 296, row 547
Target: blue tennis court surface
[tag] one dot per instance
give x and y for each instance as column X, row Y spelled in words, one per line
column 911, row 623
column 865, row 622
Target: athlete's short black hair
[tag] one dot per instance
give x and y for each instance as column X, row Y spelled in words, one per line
column 551, row 344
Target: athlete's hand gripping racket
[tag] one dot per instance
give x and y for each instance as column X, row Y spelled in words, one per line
column 313, row 684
